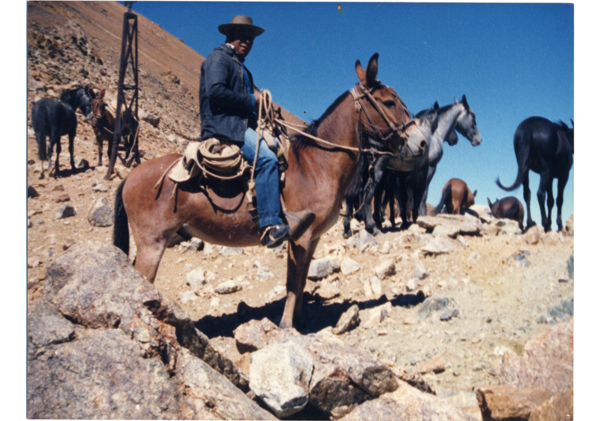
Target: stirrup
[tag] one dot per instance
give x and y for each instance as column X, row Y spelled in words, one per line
column 272, row 240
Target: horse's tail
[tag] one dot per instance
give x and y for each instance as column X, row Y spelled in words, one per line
column 121, row 228
column 522, row 152
column 445, row 193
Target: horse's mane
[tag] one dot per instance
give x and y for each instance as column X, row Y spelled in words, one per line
column 300, row 141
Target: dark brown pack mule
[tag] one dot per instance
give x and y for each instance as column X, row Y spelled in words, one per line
column 509, row 207
column 322, row 162
column 456, row 196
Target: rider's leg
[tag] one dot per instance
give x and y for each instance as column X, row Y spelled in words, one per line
column 266, row 185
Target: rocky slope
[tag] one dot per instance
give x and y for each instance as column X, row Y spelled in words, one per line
column 453, row 311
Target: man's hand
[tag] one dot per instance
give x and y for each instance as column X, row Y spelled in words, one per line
column 257, row 97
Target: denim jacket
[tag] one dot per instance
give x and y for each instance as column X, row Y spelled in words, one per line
column 226, row 107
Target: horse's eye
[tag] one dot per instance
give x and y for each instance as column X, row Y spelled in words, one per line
column 389, row 103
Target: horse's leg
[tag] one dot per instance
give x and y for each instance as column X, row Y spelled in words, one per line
column 348, row 218
column 380, row 202
column 527, row 198
column 390, row 191
column 562, row 182
column 40, row 137
column 299, row 256
column 367, row 208
column 150, row 248
column 54, row 140
column 99, row 143
column 545, row 185
column 72, row 149
column 109, row 149
column 430, row 174
column 550, row 203
column 418, row 191
column 403, row 203
column 379, row 172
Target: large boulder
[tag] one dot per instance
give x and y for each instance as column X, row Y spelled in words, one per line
column 407, row 404
column 343, row 376
column 536, row 382
column 104, row 343
column 451, row 225
column 101, row 373
column 280, row 375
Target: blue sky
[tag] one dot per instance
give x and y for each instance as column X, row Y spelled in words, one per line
column 512, row 61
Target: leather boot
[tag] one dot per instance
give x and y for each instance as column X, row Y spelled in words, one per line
column 273, row 235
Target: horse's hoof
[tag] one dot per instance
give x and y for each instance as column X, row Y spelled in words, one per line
column 405, row 226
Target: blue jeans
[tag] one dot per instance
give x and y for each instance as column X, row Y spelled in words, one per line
column 266, row 178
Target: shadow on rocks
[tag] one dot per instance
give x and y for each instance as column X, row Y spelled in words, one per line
column 317, row 315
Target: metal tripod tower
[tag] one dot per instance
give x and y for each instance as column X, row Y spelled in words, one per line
column 127, row 94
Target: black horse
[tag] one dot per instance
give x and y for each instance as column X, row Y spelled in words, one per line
column 545, row 148
column 55, row 119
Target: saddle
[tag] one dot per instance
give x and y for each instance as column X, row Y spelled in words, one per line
column 224, row 161
column 213, row 159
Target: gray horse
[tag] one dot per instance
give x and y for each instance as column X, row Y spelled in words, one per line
column 437, row 125
column 441, row 123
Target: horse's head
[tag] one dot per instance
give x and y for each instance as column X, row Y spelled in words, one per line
column 98, row 105
column 385, row 114
column 493, row 207
column 465, row 123
column 81, row 98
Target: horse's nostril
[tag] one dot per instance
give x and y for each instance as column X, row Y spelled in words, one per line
column 423, row 144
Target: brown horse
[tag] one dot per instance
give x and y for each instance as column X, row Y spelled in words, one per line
column 104, row 124
column 509, row 207
column 456, row 196
column 317, row 177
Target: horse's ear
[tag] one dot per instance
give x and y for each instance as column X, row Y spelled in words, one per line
column 101, row 94
column 475, row 193
column 360, row 72
column 455, row 101
column 372, row 69
column 572, row 124
column 89, row 91
column 489, row 203
column 464, row 101
column 436, row 106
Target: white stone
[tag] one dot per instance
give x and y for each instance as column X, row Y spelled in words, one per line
column 412, row 284
column 187, row 297
column 376, row 286
column 385, row 269
column 227, row 287
column 349, row 266
column 280, row 375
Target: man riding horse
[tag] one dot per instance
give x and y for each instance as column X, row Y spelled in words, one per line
column 228, row 110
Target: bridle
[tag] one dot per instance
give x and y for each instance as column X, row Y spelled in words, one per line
column 358, row 93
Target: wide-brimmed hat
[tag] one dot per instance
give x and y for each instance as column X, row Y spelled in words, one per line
column 240, row 22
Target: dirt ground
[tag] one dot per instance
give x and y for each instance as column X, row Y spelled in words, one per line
column 500, row 295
